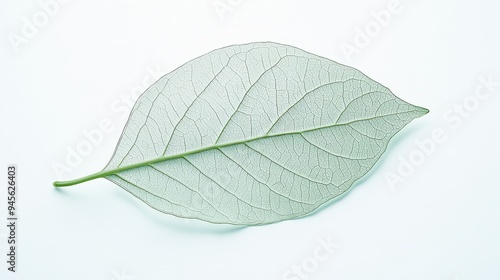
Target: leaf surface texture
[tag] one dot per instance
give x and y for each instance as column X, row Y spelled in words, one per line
column 254, row 134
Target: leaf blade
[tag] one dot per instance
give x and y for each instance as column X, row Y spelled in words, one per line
column 254, row 134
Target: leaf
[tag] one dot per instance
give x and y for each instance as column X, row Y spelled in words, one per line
column 253, row 134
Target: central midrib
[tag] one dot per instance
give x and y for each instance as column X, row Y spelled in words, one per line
column 105, row 173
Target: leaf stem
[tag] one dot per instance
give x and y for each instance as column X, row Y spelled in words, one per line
column 80, row 180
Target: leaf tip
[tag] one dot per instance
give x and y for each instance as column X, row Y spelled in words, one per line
column 422, row 111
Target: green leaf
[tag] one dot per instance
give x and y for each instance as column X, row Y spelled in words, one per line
column 253, row 134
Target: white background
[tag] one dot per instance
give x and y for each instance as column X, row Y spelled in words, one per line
column 66, row 77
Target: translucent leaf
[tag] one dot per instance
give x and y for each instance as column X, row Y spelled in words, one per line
column 254, row 134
